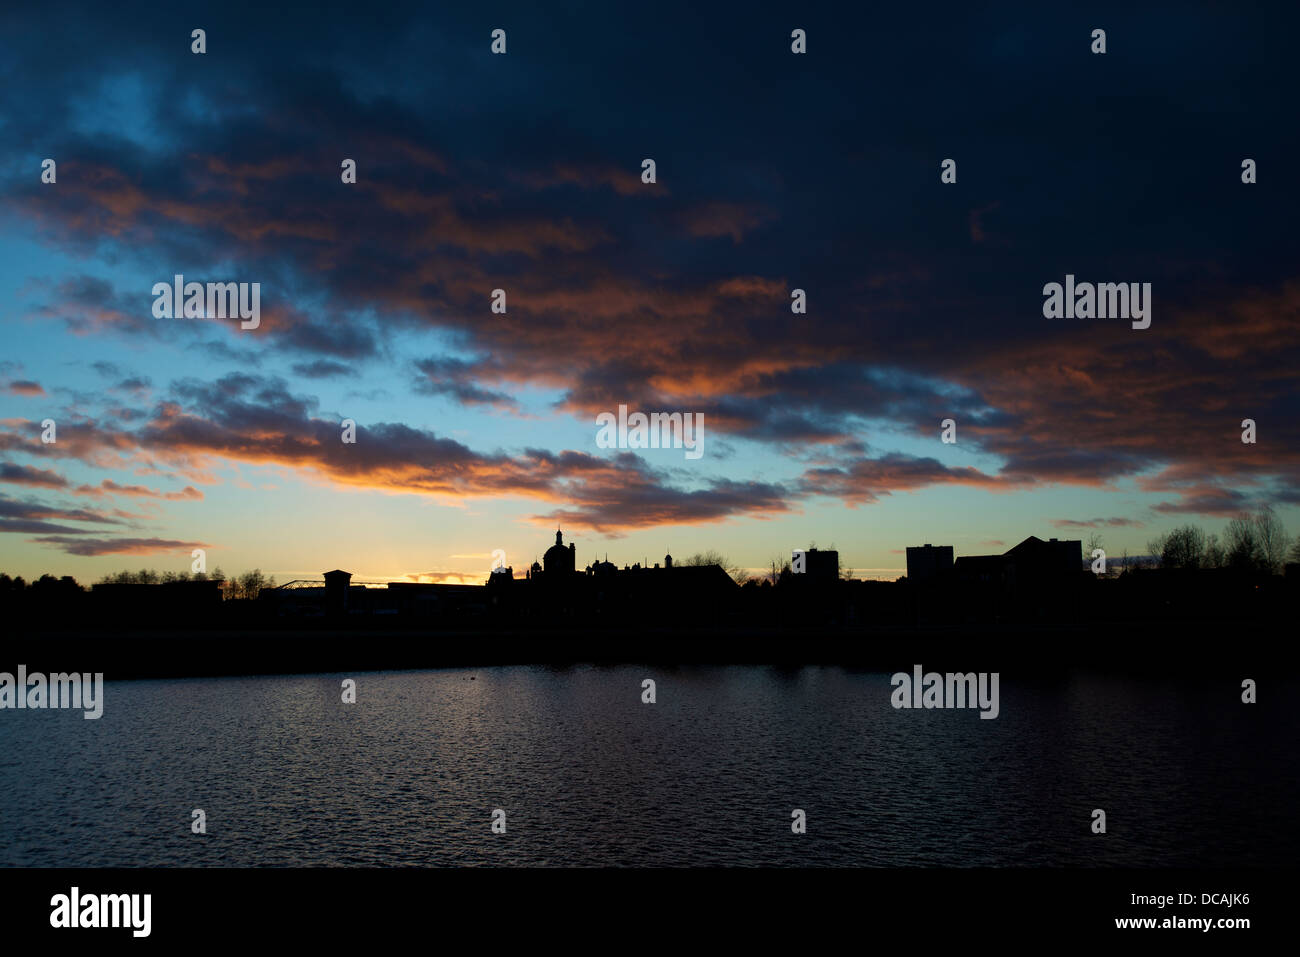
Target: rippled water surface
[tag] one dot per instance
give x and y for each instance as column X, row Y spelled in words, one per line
column 589, row 775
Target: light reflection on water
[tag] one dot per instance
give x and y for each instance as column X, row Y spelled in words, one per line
column 589, row 775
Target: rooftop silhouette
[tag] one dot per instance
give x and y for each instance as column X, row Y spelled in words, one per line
column 1036, row 581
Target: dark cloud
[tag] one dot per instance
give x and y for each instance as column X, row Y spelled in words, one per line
column 117, row 546
column 1097, row 523
column 865, row 481
column 774, row 172
column 27, row 475
column 31, row 525
column 13, row 509
column 323, row 369
column 247, row 418
column 458, row 379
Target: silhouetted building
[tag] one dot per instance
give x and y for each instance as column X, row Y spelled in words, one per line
column 1036, row 579
column 559, row 562
column 929, row 563
column 685, row 594
column 986, row 570
column 1036, row 559
column 336, row 591
column 822, row 565
column 1032, row 561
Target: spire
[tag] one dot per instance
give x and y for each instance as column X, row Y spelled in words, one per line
column 559, row 537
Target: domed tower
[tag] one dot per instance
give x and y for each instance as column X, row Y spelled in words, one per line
column 668, row 561
column 559, row 561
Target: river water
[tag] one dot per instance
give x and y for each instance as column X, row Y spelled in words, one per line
column 586, row 773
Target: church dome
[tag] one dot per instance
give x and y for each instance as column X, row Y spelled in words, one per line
column 557, row 557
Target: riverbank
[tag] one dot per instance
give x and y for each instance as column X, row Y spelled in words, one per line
column 1115, row 648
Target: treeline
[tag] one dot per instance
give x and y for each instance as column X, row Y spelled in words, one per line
column 46, row 584
column 246, row 586
column 1251, row 543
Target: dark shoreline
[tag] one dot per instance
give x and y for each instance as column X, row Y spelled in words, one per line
column 1237, row 648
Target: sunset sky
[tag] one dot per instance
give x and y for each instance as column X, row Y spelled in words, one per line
column 775, row 171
